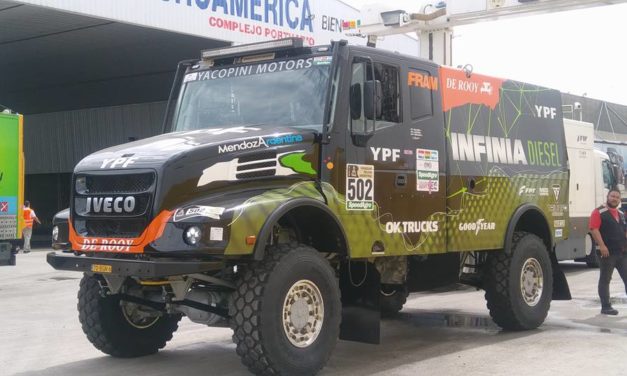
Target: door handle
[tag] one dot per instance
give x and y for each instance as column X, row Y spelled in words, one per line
column 401, row 180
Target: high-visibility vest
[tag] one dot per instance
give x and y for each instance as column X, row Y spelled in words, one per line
column 28, row 217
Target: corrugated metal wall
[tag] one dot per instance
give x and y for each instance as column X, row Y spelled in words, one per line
column 55, row 142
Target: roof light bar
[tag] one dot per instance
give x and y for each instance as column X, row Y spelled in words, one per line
column 252, row 47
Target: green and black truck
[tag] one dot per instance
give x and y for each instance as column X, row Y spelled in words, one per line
column 11, row 185
column 299, row 193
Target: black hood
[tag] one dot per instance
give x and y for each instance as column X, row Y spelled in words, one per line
column 157, row 152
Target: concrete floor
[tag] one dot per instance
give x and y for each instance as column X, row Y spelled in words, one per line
column 449, row 333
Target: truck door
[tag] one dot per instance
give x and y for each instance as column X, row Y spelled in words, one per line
column 394, row 154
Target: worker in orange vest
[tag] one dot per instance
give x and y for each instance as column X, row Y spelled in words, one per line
column 29, row 218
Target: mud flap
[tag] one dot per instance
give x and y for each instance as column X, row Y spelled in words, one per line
column 361, row 314
column 561, row 291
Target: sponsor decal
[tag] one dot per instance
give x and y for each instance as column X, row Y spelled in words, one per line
column 559, row 223
column 409, row 227
column 479, row 225
column 260, row 142
column 322, row 60
column 385, row 154
column 558, row 232
column 216, row 234
column 546, row 112
column 427, row 170
column 415, row 133
column 582, row 139
column 4, row 207
column 118, row 162
column 524, row 190
column 477, row 148
column 190, row 77
column 243, row 145
column 422, row 80
column 557, row 210
column 252, row 70
column 118, row 204
column 408, row 152
column 544, row 191
column 284, row 140
column 106, row 244
column 359, row 187
column 198, row 211
column 458, row 89
column 556, row 191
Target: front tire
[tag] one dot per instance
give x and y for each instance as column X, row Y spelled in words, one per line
column 286, row 311
column 519, row 285
column 115, row 329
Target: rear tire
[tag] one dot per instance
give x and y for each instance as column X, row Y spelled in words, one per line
column 112, row 330
column 519, row 285
column 286, row 311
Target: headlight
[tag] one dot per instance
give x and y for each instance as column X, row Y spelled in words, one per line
column 192, row 235
column 55, row 233
column 81, row 185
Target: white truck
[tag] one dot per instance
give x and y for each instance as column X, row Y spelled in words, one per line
column 591, row 176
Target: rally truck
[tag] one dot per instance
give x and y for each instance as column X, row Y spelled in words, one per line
column 11, row 185
column 299, row 193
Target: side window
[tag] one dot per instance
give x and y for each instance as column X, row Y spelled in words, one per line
column 358, row 119
column 391, row 98
column 420, row 95
column 388, row 79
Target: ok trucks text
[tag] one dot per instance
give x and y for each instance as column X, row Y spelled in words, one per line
column 299, row 193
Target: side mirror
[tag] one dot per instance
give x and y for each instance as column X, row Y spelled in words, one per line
column 355, row 101
column 372, row 99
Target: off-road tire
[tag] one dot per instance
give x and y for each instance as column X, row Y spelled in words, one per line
column 109, row 331
column 256, row 311
column 502, row 278
column 392, row 303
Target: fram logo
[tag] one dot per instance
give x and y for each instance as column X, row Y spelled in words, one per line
column 422, row 80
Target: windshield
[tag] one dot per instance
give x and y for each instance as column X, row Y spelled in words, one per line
column 286, row 92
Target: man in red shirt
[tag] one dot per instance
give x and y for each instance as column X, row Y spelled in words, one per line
column 609, row 230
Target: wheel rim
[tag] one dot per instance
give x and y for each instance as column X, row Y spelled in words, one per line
column 303, row 313
column 136, row 317
column 531, row 282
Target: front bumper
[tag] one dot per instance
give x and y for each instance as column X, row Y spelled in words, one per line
column 129, row 268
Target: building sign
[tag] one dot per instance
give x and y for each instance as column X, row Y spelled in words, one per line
column 238, row 21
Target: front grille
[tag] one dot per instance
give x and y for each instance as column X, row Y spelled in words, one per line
column 98, row 203
column 127, row 228
column 127, row 183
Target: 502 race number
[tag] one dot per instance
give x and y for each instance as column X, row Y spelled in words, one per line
column 359, row 187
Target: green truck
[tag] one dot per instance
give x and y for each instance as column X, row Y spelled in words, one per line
column 299, row 193
column 11, row 185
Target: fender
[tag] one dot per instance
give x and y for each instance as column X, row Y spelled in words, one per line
column 518, row 213
column 279, row 212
